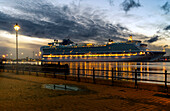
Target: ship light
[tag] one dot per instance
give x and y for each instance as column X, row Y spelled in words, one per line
column 3, row 56
column 89, row 44
column 39, row 53
column 94, row 55
column 130, row 38
column 142, row 53
column 49, row 56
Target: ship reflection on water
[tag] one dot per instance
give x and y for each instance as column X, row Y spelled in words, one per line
column 157, row 67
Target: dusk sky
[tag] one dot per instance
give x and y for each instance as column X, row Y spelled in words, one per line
column 95, row 21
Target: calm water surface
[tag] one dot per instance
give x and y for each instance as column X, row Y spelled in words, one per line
column 158, row 67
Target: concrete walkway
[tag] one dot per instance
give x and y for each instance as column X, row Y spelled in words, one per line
column 24, row 92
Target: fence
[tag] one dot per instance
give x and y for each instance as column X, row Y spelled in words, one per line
column 78, row 73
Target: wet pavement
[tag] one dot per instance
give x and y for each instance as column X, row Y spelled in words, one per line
column 28, row 93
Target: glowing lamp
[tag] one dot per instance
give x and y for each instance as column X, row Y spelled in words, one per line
column 3, row 56
column 16, row 27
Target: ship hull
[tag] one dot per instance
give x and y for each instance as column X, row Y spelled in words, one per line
column 152, row 56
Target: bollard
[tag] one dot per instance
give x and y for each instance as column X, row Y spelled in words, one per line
column 112, row 77
column 78, row 74
column 166, row 88
column 94, row 76
column 136, row 85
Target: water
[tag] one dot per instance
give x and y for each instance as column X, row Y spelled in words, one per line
column 155, row 67
column 61, row 87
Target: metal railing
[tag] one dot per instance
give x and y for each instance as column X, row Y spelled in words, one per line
column 77, row 73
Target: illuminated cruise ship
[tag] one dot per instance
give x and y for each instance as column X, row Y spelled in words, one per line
column 130, row 50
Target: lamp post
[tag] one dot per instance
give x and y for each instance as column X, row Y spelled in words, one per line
column 16, row 27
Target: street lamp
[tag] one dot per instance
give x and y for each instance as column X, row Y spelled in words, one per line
column 16, row 27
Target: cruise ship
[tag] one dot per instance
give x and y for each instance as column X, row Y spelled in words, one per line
column 130, row 50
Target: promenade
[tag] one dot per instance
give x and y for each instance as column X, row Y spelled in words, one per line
column 26, row 92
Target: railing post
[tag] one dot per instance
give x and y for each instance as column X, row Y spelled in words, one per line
column 53, row 68
column 166, row 88
column 3, row 68
column 37, row 72
column 54, row 74
column 12, row 68
column 78, row 74
column 118, row 73
column 29, row 70
column 7, row 69
column 136, row 85
column 44, row 74
column 66, row 71
column 115, row 74
column 112, row 77
column 23, row 70
column 65, row 75
column 94, row 76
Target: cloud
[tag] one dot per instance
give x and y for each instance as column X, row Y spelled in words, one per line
column 153, row 39
column 111, row 2
column 4, row 50
column 165, row 45
column 166, row 7
column 167, row 27
column 129, row 4
column 44, row 20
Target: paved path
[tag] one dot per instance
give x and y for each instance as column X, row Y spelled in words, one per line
column 24, row 92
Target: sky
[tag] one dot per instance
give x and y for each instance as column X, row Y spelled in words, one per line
column 94, row 21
